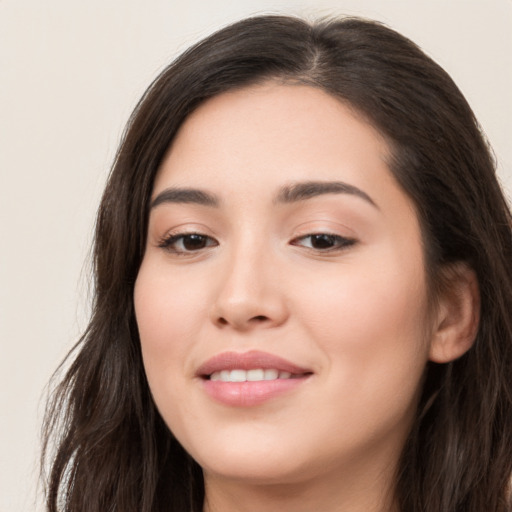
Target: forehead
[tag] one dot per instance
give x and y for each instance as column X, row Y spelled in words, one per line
column 271, row 130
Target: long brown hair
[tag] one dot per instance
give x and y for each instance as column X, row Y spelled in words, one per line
column 112, row 451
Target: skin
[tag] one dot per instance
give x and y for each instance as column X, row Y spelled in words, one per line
column 356, row 315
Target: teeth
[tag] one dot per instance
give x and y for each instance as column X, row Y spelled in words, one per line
column 252, row 375
column 238, row 376
column 270, row 374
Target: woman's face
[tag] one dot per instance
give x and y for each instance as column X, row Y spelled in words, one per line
column 282, row 302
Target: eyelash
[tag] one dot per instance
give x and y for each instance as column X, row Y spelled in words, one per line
column 338, row 242
column 169, row 243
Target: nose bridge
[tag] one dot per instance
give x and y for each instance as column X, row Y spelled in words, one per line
column 249, row 293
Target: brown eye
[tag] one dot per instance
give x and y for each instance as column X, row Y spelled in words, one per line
column 194, row 242
column 183, row 243
column 323, row 242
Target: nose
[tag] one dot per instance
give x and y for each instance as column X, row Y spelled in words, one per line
column 250, row 294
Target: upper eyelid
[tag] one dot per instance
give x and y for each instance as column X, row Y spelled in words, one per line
column 176, row 236
column 168, row 244
column 314, row 232
column 325, row 223
column 188, row 228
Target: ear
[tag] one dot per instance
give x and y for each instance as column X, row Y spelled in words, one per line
column 458, row 314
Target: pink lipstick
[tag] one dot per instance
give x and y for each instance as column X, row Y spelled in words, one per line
column 249, row 378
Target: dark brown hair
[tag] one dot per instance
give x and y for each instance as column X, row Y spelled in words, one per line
column 112, row 451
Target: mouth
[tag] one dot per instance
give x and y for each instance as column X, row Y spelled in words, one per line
column 249, row 378
column 249, row 367
column 253, row 375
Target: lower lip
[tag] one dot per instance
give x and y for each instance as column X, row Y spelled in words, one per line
column 250, row 393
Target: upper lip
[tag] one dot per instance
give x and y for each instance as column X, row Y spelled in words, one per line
column 247, row 361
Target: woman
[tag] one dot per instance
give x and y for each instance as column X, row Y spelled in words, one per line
column 303, row 289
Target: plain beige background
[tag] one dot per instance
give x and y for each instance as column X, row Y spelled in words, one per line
column 70, row 73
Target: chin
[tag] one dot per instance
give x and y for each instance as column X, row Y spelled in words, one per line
column 256, row 472
column 256, row 461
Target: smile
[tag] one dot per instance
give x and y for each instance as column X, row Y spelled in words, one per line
column 254, row 375
column 250, row 378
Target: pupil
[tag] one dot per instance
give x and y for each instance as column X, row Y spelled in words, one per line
column 194, row 242
column 322, row 241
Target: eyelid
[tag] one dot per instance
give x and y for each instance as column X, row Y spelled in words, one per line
column 324, row 225
column 172, row 237
column 341, row 242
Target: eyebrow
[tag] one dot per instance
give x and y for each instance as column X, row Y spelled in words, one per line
column 185, row 195
column 309, row 189
column 288, row 194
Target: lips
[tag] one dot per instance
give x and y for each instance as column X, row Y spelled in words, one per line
column 249, row 361
column 249, row 378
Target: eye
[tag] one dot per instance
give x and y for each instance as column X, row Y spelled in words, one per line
column 185, row 243
column 323, row 242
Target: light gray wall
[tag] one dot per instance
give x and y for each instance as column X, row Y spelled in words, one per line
column 70, row 73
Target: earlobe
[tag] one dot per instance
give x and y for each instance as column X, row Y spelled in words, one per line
column 458, row 314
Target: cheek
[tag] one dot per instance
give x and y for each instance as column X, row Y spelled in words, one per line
column 372, row 326
column 363, row 298
column 167, row 310
column 167, row 303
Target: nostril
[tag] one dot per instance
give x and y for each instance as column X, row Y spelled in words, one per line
column 242, row 322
